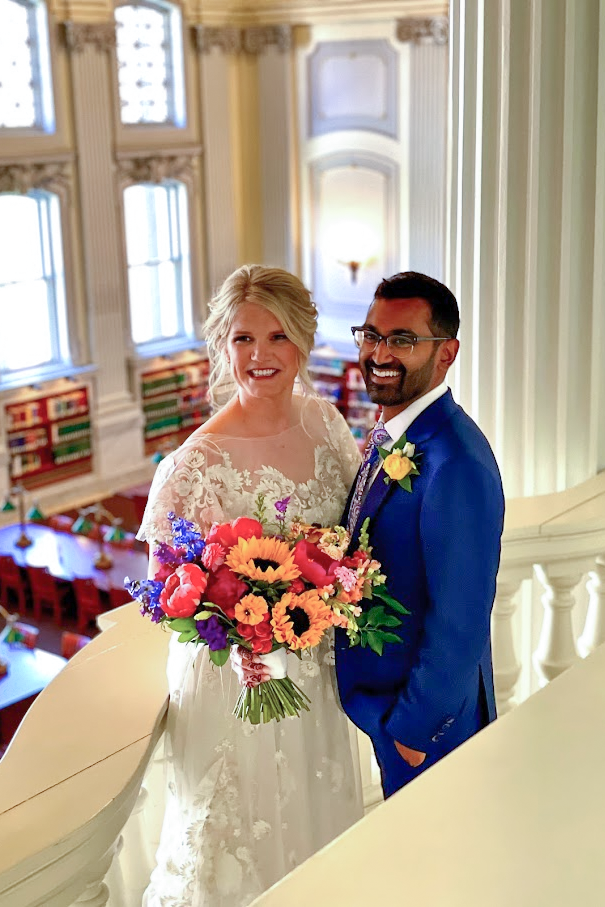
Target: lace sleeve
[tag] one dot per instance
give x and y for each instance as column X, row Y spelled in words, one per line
column 182, row 484
column 342, row 442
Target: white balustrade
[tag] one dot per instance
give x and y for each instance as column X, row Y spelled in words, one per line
column 594, row 627
column 507, row 666
column 557, row 648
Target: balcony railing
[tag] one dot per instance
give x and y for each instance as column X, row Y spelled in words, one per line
column 81, row 795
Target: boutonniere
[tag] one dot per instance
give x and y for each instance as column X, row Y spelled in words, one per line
column 400, row 463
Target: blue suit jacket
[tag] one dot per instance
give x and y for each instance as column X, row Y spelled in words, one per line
column 440, row 548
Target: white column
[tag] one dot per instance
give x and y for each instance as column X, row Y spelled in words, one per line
column 526, row 232
column 556, row 650
column 96, row 893
column 118, row 440
column 507, row 666
column 594, row 627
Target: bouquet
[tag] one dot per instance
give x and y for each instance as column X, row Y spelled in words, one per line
column 267, row 591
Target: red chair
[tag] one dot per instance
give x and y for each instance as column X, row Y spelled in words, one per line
column 88, row 602
column 72, row 643
column 119, row 597
column 45, row 591
column 11, row 583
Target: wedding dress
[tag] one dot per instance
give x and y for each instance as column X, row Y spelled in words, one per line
column 246, row 804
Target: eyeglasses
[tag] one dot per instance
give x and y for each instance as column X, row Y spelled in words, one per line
column 399, row 345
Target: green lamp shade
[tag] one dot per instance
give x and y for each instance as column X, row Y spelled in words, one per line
column 115, row 534
column 157, row 457
column 7, row 506
column 35, row 515
column 82, row 526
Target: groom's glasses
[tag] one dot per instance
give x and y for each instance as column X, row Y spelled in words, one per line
column 399, row 345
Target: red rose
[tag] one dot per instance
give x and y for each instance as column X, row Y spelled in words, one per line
column 225, row 589
column 260, row 636
column 296, row 586
column 227, row 534
column 315, row 566
column 183, row 590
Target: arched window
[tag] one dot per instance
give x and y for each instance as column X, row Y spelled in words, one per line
column 32, row 286
column 159, row 271
column 150, row 64
column 26, row 100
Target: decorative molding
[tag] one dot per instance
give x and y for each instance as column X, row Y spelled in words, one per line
column 78, row 35
column 226, row 38
column 155, row 168
column 257, row 38
column 252, row 40
column 23, row 177
column 436, row 31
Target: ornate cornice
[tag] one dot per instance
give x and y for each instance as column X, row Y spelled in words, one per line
column 155, row 168
column 23, row 177
column 78, row 35
column 424, row 31
column 252, row 40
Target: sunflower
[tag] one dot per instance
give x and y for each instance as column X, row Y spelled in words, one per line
column 266, row 559
column 300, row 620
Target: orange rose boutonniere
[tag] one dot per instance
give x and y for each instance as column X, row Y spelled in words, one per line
column 400, row 463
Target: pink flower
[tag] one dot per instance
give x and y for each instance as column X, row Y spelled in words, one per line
column 213, row 556
column 315, row 566
column 183, row 590
column 340, row 620
column 347, row 577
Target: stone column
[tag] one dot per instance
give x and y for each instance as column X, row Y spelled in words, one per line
column 118, row 441
column 526, row 232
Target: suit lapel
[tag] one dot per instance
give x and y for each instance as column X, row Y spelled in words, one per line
column 422, row 428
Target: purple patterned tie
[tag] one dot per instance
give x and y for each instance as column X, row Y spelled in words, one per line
column 377, row 439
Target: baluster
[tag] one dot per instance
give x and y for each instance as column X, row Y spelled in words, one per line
column 556, row 650
column 507, row 666
column 594, row 628
column 136, row 861
column 96, row 893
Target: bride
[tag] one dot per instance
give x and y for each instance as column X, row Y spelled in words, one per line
column 246, row 804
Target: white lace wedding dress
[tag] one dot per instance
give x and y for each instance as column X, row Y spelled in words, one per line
column 246, row 804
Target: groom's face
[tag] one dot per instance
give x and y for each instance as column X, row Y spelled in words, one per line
column 393, row 382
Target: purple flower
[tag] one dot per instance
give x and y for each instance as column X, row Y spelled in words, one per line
column 147, row 592
column 213, row 632
column 282, row 506
column 165, row 554
column 185, row 536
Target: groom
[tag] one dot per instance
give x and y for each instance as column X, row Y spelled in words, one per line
column 439, row 543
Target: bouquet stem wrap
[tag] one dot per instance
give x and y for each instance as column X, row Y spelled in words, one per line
column 276, row 698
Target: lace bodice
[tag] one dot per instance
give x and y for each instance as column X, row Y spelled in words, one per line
column 216, row 477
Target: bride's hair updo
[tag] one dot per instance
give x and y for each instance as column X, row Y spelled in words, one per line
column 278, row 291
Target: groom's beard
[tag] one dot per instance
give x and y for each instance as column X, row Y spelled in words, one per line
column 408, row 387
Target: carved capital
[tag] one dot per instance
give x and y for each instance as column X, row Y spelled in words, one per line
column 227, row 39
column 425, row 31
column 257, row 38
column 155, row 169
column 252, row 40
column 78, row 35
column 23, row 177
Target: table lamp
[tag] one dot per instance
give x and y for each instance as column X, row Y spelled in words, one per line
column 34, row 514
column 84, row 524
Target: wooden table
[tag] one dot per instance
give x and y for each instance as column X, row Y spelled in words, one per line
column 67, row 556
column 30, row 670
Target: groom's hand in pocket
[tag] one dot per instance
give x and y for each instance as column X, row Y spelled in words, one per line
column 414, row 758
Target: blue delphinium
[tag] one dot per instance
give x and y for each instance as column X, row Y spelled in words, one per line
column 147, row 592
column 186, row 537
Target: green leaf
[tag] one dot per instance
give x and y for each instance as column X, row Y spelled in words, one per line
column 182, row 624
column 400, row 443
column 391, row 637
column 382, row 593
column 362, row 619
column 389, row 620
column 219, row 657
column 406, row 483
column 188, row 636
column 375, row 642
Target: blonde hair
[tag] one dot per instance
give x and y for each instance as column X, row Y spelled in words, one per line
column 282, row 294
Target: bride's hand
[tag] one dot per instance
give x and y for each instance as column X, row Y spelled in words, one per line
column 250, row 671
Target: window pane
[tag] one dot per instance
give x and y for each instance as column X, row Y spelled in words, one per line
column 157, row 244
column 26, row 329
column 32, row 292
column 25, row 79
column 144, row 62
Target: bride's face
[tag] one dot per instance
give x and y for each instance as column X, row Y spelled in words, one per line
column 264, row 361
